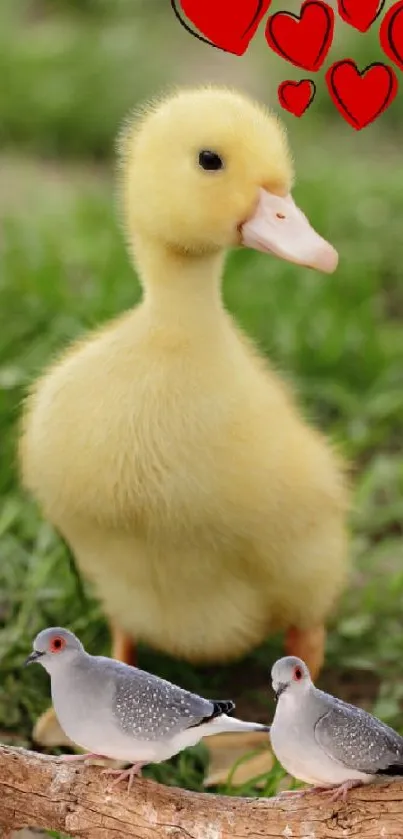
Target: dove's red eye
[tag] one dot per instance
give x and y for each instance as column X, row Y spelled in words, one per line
column 57, row 644
column 297, row 674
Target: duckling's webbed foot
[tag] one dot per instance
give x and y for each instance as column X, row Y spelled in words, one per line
column 308, row 644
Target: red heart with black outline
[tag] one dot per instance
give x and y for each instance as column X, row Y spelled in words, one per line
column 391, row 34
column 361, row 96
column 296, row 97
column 225, row 24
column 304, row 40
column 360, row 13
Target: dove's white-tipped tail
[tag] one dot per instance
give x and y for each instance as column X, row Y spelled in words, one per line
column 222, row 724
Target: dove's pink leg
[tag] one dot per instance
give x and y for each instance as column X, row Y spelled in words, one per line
column 305, row 791
column 334, row 792
column 319, row 789
column 127, row 773
column 342, row 790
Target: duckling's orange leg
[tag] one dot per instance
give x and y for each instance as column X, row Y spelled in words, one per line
column 123, row 646
column 308, row 644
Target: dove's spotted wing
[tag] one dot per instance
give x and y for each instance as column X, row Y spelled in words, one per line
column 359, row 741
column 150, row 708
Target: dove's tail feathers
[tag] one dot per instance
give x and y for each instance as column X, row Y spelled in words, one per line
column 222, row 706
column 395, row 769
column 222, row 724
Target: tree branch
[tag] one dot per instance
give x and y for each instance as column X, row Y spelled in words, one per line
column 40, row 791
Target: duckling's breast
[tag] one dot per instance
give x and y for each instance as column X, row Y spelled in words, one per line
column 201, row 506
column 148, row 434
column 190, row 600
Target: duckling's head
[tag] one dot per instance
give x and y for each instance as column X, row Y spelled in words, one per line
column 208, row 169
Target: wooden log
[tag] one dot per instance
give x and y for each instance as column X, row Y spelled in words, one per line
column 43, row 792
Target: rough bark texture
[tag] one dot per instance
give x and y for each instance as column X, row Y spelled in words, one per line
column 40, row 791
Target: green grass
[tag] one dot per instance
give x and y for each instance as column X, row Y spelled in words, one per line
column 73, row 72
column 72, row 75
column 73, row 69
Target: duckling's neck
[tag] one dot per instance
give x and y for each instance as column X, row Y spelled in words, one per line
column 180, row 287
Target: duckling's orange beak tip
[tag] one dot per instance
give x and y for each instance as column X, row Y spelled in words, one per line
column 279, row 227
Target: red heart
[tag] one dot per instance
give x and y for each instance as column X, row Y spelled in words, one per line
column 224, row 24
column 360, row 13
column 296, row 97
column 391, row 34
column 303, row 40
column 361, row 96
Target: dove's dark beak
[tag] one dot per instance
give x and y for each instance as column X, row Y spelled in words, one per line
column 34, row 656
column 279, row 689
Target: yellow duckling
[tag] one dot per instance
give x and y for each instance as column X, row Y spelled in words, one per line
column 163, row 447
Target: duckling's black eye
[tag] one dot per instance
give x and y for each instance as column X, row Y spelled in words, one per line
column 210, row 160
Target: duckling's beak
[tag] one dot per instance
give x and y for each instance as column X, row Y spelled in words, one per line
column 279, row 227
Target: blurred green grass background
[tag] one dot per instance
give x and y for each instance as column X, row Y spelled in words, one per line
column 70, row 72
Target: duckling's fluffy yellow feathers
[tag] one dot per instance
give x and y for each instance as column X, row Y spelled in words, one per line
column 164, row 448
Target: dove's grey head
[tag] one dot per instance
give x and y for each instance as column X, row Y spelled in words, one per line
column 54, row 647
column 291, row 675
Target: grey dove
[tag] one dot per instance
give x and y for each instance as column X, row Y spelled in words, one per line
column 123, row 713
column 324, row 741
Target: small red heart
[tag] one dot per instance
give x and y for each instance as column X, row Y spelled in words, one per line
column 224, row 24
column 391, row 34
column 361, row 96
column 360, row 13
column 303, row 40
column 296, row 97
